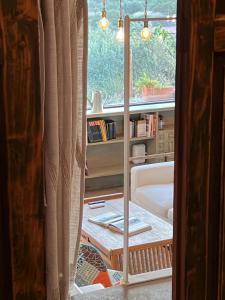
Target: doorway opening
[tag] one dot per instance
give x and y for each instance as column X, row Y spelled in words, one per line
column 150, row 148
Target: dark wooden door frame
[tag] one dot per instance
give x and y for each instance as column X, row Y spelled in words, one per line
column 22, row 250
column 199, row 231
column 199, row 252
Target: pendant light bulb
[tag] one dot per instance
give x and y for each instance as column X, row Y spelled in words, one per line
column 120, row 32
column 104, row 23
column 146, row 34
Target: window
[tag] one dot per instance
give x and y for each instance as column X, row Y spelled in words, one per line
column 153, row 62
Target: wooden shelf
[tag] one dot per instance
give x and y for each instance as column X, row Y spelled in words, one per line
column 121, row 140
column 166, row 128
column 107, row 171
column 110, row 170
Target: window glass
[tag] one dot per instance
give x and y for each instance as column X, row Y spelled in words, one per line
column 153, row 62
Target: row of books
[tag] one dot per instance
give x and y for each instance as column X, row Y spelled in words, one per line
column 145, row 127
column 101, row 130
column 105, row 130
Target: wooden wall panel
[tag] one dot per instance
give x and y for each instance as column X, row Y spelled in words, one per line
column 200, row 151
column 21, row 179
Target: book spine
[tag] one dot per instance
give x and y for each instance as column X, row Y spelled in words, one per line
column 151, row 125
column 135, row 128
column 131, row 129
column 103, row 130
column 141, row 128
column 110, row 131
column 155, row 124
column 89, row 133
column 114, row 130
column 98, row 126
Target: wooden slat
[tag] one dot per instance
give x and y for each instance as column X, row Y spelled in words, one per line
column 133, row 263
column 154, row 256
column 147, row 263
column 152, row 266
column 139, row 269
column 130, row 263
column 143, row 261
column 164, row 265
column 159, row 254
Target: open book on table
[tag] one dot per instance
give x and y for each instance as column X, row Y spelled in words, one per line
column 115, row 222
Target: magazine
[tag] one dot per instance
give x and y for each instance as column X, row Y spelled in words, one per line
column 135, row 226
column 106, row 219
column 115, row 222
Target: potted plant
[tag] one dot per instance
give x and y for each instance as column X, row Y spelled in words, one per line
column 149, row 87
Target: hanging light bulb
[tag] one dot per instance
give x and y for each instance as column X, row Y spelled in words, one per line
column 120, row 32
column 146, row 34
column 104, row 22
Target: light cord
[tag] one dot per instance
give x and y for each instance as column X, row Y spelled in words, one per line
column 146, row 7
column 121, row 10
column 103, row 4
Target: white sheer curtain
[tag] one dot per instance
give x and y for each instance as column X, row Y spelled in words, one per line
column 63, row 45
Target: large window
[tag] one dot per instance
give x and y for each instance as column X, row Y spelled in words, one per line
column 153, row 62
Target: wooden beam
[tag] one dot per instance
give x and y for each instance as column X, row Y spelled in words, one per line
column 21, row 175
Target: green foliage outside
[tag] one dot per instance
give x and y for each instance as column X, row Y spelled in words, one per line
column 146, row 81
column 154, row 59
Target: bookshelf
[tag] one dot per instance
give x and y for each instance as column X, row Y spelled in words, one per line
column 105, row 159
column 120, row 140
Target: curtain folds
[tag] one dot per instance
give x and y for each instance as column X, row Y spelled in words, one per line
column 63, row 51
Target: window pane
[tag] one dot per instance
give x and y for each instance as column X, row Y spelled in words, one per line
column 153, row 61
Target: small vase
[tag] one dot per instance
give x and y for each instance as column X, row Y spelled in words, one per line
column 97, row 102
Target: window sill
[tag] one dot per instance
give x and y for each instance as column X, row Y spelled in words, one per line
column 118, row 111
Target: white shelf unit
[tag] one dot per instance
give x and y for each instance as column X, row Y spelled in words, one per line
column 105, row 159
column 120, row 140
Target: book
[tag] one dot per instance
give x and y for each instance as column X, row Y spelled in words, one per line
column 114, row 130
column 106, row 219
column 135, row 226
column 141, row 128
column 93, row 131
column 155, row 124
column 151, row 124
column 147, row 118
column 110, row 129
column 115, row 222
column 132, row 129
column 103, row 130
